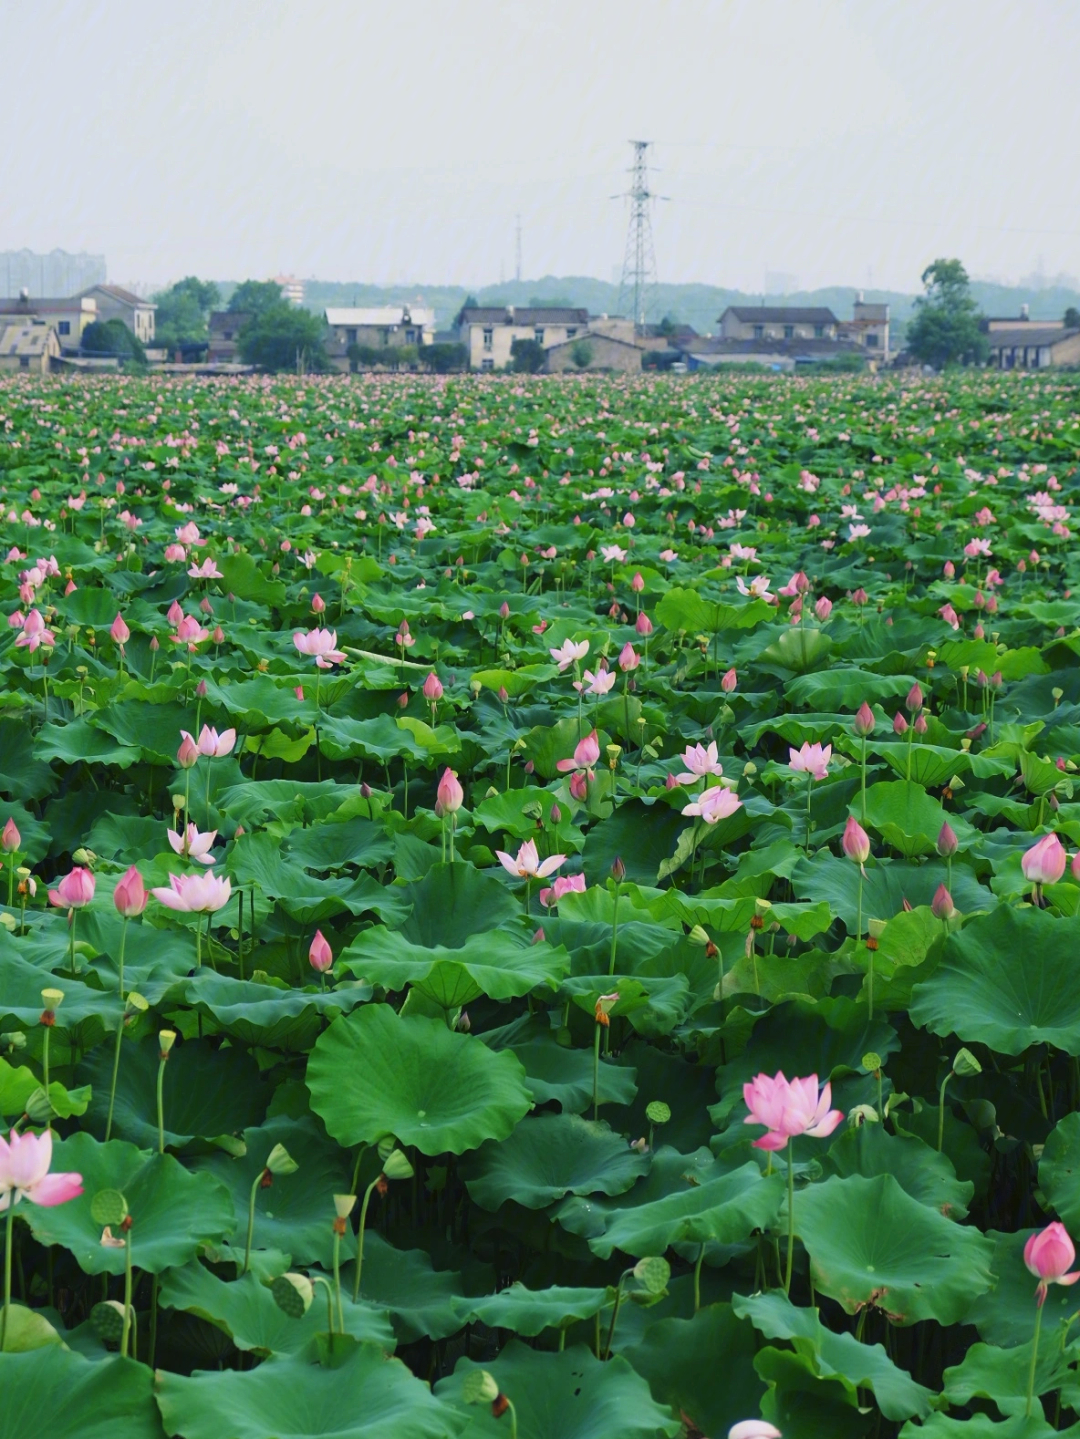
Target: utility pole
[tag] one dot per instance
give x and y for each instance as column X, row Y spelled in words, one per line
column 517, row 267
column 637, row 286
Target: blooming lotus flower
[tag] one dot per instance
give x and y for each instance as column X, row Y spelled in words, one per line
column 856, row 842
column 24, row 1172
column 208, row 570
column 754, row 1429
column 811, row 759
column 190, row 632
column 569, row 653
column 74, row 891
column 194, row 893
column 757, row 589
column 320, row 955
column 789, row 1108
column 174, row 553
column 586, row 754
column 612, row 554
column 193, row 845
column 1048, row 1255
column 527, row 864
column 699, row 763
column 449, row 797
column 119, row 630
column 599, row 683
column 564, row 884
column 129, row 896
column 34, row 633
column 322, row 644
column 214, row 745
column 714, row 804
column 1044, row 862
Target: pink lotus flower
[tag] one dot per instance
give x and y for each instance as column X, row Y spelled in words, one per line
column 74, row 891
column 947, row 843
column 449, row 797
column 941, row 906
column 193, row 845
column 586, row 754
column 1044, row 862
column 643, row 624
column 823, row 608
column 174, row 553
column 728, row 680
column 856, row 842
column 194, row 893
column 527, row 864
column 190, row 632
column 24, row 1172
column 214, row 745
column 788, row 1109
column 754, row 1429
column 564, row 884
column 569, row 653
column 129, row 896
column 119, row 630
column 34, row 633
column 188, row 753
column 322, row 645
column 208, row 570
column 320, row 955
column 811, row 759
column 629, row 659
column 714, row 804
column 1048, row 1255
column 11, row 838
column 699, row 763
column 599, row 683
column 433, row 689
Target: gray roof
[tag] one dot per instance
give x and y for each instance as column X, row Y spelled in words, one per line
column 382, row 315
column 1029, row 334
column 866, row 311
column 27, row 339
column 520, row 315
column 789, row 349
column 117, row 292
column 782, row 314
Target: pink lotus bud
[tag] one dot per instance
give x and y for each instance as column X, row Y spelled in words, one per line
column 74, row 891
column 11, row 838
column 218, row 635
column 130, row 896
column 947, row 843
column 914, row 699
column 318, row 604
column 1044, row 862
column 504, row 698
column 402, row 701
column 201, row 690
column 754, row 1429
column 71, row 586
column 188, row 753
column 504, row 610
column 449, row 796
column 579, row 786
column 556, row 816
column 365, row 791
column 823, row 608
column 175, row 614
column 643, row 624
column 860, row 597
column 671, row 782
column 205, row 605
column 433, row 689
column 941, row 906
column 1021, row 566
column 979, row 632
column 119, row 630
column 949, row 570
column 865, row 723
column 899, row 724
column 637, row 584
column 538, row 937
column 155, row 643
column 856, row 842
column 920, row 723
column 298, row 691
column 320, row 955
column 628, row 658
column 728, row 680
column 1048, row 1255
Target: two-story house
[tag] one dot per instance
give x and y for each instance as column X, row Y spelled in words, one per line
column 377, row 327
column 778, row 322
column 869, row 327
column 489, row 331
column 115, row 303
column 69, row 317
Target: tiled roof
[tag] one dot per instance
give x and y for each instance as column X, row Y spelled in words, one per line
column 782, row 314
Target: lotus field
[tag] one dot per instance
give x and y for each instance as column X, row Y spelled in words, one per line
column 539, row 909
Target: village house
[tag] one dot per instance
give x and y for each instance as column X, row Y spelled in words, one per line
column 30, row 345
column 778, row 322
column 1032, row 344
column 489, row 331
column 224, row 330
column 69, row 317
column 593, row 351
column 376, row 328
column 869, row 327
column 115, row 303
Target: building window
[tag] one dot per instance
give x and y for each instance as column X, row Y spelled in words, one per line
column 350, row 337
column 24, row 362
column 872, row 339
column 487, row 364
column 819, row 332
column 789, row 332
column 386, row 337
column 538, row 334
column 759, row 332
column 488, row 333
column 64, row 327
column 410, row 337
column 571, row 332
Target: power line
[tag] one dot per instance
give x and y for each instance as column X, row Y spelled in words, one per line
column 637, row 285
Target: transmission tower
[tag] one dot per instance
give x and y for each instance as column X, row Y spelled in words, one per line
column 637, row 286
column 517, row 268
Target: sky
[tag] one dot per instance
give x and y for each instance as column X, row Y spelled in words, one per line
column 829, row 141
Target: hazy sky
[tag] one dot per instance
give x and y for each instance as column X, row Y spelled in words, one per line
column 395, row 142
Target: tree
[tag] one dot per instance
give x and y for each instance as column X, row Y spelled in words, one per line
column 581, row 352
column 255, row 297
column 284, row 338
column 527, row 356
column 112, row 337
column 1072, row 318
column 183, row 310
column 945, row 330
column 444, row 357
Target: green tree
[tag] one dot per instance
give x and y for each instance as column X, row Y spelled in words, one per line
column 527, row 356
column 183, row 310
column 112, row 337
column 581, row 352
column 284, row 338
column 945, row 329
column 444, row 357
column 255, row 297
column 1072, row 318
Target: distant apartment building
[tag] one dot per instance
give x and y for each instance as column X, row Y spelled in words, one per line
column 115, row 303
column 68, row 317
column 488, row 332
column 292, row 289
column 377, row 327
column 28, row 345
column 57, row 273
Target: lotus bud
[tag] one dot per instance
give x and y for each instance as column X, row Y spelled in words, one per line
column 503, row 696
column 947, row 843
column 920, row 725
column 941, row 906
column 365, row 791
column 11, row 838
column 320, row 955
column 899, row 724
column 914, row 699
column 865, row 722
column 556, row 814
column 643, row 624
column 318, row 604
column 637, row 584
column 823, row 608
column 856, row 842
column 618, row 870
column 450, row 796
column 479, row 1387
column 965, row 1065
column 433, row 689
column 188, row 753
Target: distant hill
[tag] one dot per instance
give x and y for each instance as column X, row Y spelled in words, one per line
column 697, row 305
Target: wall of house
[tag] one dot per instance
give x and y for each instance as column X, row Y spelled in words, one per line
column 503, row 337
column 607, row 354
column 736, row 329
column 138, row 319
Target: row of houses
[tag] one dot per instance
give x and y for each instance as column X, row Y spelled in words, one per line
column 35, row 334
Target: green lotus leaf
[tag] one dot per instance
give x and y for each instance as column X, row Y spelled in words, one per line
column 283, row 1019
column 17, row 1085
column 1001, row 1375
column 887, row 885
column 1059, row 1170
column 1005, row 1314
column 1008, row 979
column 548, row 1157
column 982, row 1426
column 555, row 1074
column 905, row 816
column 870, row 1242
column 86, row 1399
column 530, row 1311
column 246, row 1310
column 375, row 1073
column 571, row 1395
column 807, row 1406
column 423, row 1302
column 502, row 966
column 173, row 1210
column 454, row 902
column 920, row 1171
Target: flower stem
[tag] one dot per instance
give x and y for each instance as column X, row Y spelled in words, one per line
column 162, row 1060
column 596, row 1074
column 1034, row 1358
column 337, row 1281
column 790, row 1214
column 251, row 1220
column 863, row 781
column 360, row 1237
column 697, row 1276
column 127, row 1296
column 614, row 1316
column 45, row 1057
column 9, row 1245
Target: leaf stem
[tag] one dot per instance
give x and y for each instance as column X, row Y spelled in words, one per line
column 790, row 1214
